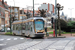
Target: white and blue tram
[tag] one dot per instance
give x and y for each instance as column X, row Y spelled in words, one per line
column 32, row 27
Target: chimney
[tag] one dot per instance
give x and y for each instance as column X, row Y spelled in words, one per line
column 44, row 3
column 6, row 2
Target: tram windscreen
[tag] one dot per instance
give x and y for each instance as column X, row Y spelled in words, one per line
column 39, row 25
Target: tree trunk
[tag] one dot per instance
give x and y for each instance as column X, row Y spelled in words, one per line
column 59, row 23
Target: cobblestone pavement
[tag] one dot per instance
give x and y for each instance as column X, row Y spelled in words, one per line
column 46, row 44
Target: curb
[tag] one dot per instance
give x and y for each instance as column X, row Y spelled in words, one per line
column 57, row 37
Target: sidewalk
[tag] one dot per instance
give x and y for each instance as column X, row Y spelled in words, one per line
column 66, row 35
column 1, row 33
column 63, row 35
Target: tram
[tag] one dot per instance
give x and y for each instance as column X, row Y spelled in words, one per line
column 32, row 27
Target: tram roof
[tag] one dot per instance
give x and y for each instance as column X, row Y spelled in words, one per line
column 32, row 18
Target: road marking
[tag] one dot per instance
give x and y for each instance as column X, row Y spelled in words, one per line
column 14, row 49
column 1, row 39
column 8, row 39
column 21, row 38
column 15, row 38
column 51, row 49
column 2, row 44
column 35, row 49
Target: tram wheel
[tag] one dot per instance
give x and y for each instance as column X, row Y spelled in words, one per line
column 14, row 34
column 28, row 36
column 23, row 34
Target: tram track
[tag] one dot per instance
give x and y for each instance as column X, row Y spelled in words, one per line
column 43, row 45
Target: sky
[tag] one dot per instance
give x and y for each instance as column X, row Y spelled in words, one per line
column 68, row 4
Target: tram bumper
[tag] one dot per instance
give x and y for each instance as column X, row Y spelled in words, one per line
column 39, row 35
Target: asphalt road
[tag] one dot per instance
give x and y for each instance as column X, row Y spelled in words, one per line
column 23, row 43
column 7, row 41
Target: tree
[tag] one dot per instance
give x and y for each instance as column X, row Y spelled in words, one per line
column 42, row 13
column 63, row 24
column 28, row 15
column 70, row 25
column 66, row 26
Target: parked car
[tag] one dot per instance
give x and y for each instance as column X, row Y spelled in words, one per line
column 2, row 30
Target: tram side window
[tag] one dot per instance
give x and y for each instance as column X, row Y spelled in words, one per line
column 31, row 28
column 23, row 27
column 28, row 27
column 13, row 27
column 17, row 27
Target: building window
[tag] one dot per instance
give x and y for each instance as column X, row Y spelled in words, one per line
column 8, row 22
column 15, row 10
column 20, row 17
column 24, row 17
column 16, row 14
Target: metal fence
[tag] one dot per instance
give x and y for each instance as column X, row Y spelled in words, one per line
column 72, row 30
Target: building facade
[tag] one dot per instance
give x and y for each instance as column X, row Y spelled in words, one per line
column 15, row 13
column 22, row 15
column 7, row 18
column 3, row 15
column 48, row 7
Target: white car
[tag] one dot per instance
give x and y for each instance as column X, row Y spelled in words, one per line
column 8, row 29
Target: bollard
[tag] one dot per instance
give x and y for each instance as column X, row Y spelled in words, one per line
column 54, row 33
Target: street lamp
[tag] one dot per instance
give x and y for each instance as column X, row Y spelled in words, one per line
column 71, row 13
column 59, row 7
column 14, row 2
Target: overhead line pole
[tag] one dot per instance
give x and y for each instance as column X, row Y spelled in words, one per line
column 33, row 8
column 55, row 19
column 14, row 2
